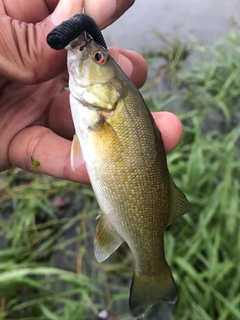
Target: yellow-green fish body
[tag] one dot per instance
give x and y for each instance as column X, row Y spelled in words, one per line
column 126, row 163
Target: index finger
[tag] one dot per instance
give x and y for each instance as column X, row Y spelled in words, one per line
column 105, row 12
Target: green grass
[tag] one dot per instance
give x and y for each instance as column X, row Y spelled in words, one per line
column 202, row 247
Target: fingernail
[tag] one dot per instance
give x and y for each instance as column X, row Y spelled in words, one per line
column 125, row 64
column 66, row 9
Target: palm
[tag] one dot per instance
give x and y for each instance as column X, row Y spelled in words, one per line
column 35, row 116
column 25, row 107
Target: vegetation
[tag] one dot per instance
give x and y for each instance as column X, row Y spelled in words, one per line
column 47, row 223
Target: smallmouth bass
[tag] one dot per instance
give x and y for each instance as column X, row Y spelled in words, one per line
column 127, row 167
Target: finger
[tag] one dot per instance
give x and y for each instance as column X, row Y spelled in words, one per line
column 33, row 12
column 25, row 55
column 105, row 12
column 52, row 152
column 62, row 124
column 170, row 127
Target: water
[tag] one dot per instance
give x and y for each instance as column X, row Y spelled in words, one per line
column 207, row 20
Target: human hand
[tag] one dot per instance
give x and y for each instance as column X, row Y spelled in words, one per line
column 35, row 117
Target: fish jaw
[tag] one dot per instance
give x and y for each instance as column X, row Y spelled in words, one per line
column 84, row 120
column 77, row 80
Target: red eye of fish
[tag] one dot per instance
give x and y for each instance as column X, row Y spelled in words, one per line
column 99, row 57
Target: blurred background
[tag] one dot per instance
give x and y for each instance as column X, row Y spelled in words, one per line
column 47, row 267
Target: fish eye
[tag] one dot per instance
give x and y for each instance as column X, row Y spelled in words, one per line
column 99, row 57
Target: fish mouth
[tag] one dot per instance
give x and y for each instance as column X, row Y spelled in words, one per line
column 82, row 41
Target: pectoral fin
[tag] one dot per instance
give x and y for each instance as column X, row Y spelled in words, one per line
column 76, row 154
column 179, row 203
column 107, row 240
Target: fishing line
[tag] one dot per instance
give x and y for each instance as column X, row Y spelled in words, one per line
column 70, row 29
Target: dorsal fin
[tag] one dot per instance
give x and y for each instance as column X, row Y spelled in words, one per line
column 179, row 203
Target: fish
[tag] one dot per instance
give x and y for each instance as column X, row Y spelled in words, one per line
column 118, row 140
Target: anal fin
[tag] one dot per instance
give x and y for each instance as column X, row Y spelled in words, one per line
column 179, row 203
column 107, row 240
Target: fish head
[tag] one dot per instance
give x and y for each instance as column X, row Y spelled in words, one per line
column 86, row 59
column 96, row 91
column 92, row 74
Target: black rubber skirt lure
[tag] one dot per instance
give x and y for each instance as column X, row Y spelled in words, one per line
column 70, row 29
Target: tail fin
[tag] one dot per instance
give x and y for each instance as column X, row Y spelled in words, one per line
column 146, row 290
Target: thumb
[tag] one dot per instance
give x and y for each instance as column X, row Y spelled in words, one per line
column 25, row 55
